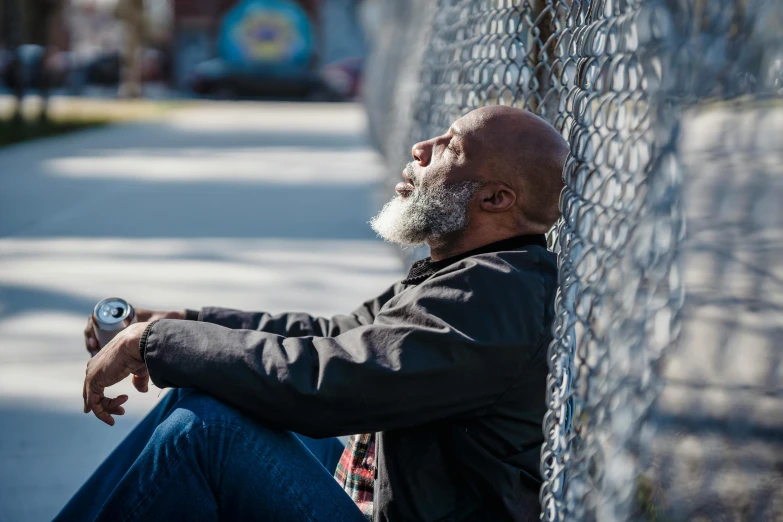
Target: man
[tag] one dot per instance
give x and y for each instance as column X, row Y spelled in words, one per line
column 444, row 373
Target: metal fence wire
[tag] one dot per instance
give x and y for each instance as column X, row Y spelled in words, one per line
column 665, row 392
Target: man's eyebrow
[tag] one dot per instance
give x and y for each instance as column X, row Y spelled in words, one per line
column 456, row 133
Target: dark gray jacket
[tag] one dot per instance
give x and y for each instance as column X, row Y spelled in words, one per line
column 450, row 370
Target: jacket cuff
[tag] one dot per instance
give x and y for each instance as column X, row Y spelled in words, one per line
column 143, row 341
column 192, row 315
column 175, row 351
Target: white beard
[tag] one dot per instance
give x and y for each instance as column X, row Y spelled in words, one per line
column 425, row 214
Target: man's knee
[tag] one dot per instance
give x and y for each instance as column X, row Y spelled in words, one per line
column 197, row 412
column 199, row 420
column 213, row 437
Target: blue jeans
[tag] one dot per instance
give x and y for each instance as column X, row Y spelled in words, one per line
column 195, row 458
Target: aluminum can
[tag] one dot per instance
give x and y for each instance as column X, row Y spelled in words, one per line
column 110, row 316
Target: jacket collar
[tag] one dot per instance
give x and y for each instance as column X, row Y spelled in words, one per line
column 425, row 268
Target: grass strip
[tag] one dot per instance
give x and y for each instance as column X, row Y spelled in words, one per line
column 15, row 131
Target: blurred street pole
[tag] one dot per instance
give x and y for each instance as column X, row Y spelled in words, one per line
column 131, row 13
column 40, row 17
column 12, row 36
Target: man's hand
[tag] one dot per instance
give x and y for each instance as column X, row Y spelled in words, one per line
column 143, row 315
column 117, row 360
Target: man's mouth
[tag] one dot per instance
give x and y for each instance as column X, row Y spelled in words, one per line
column 404, row 188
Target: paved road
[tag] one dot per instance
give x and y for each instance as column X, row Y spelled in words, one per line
column 243, row 205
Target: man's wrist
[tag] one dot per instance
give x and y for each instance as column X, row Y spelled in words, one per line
column 143, row 340
column 191, row 315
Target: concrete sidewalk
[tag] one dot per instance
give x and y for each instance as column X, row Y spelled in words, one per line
column 254, row 206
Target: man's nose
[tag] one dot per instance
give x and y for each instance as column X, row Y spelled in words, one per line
column 422, row 153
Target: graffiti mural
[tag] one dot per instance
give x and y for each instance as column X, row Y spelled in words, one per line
column 272, row 32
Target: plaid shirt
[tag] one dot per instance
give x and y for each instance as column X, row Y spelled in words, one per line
column 356, row 471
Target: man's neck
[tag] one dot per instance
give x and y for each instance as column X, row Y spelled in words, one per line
column 446, row 247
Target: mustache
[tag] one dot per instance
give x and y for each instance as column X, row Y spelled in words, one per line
column 409, row 172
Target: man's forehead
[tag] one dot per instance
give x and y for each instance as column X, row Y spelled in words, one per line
column 468, row 128
column 468, row 123
column 493, row 116
column 491, row 123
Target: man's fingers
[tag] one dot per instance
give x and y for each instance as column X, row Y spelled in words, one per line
column 114, row 406
column 84, row 396
column 98, row 410
column 115, row 402
column 116, row 361
column 90, row 342
column 93, row 395
column 141, row 380
column 104, row 416
column 141, row 383
column 106, row 407
column 88, row 333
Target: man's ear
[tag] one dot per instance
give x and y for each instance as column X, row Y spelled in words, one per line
column 497, row 197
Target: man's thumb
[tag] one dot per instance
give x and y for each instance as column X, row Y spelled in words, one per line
column 141, row 380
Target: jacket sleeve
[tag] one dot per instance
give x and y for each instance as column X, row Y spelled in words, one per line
column 297, row 324
column 447, row 348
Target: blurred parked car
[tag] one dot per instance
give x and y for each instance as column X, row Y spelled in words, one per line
column 217, row 77
column 32, row 68
column 103, row 69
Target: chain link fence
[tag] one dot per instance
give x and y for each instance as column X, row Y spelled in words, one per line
column 665, row 392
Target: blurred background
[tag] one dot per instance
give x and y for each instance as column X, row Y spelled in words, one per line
column 174, row 48
column 182, row 153
column 176, row 153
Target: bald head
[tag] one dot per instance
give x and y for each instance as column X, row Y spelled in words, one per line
column 525, row 152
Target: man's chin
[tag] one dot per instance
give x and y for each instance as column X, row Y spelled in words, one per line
column 409, row 243
column 390, row 228
column 401, row 239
